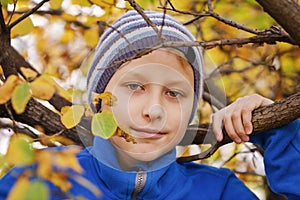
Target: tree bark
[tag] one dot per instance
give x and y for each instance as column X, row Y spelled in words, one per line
column 38, row 115
column 286, row 13
column 265, row 118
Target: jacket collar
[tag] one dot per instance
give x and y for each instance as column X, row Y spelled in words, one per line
column 106, row 154
column 121, row 183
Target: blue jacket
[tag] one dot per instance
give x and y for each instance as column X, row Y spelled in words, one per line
column 166, row 179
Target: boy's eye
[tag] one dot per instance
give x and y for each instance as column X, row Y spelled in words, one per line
column 135, row 86
column 174, row 94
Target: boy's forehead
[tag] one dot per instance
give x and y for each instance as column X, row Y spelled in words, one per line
column 157, row 73
column 165, row 59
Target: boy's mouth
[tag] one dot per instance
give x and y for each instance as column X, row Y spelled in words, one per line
column 147, row 133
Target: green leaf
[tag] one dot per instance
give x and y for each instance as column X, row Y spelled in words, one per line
column 37, row 190
column 20, row 97
column 104, row 124
column 71, row 115
column 24, row 189
column 19, row 152
column 4, row 3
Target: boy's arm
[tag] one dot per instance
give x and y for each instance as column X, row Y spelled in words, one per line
column 8, row 181
column 282, row 151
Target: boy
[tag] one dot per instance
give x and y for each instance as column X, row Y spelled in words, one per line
column 157, row 95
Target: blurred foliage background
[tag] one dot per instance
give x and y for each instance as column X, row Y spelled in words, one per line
column 60, row 37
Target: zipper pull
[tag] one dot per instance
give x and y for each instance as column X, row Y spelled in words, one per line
column 140, row 181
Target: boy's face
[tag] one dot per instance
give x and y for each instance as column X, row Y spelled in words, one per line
column 155, row 95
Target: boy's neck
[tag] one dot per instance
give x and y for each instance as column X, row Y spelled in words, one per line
column 126, row 162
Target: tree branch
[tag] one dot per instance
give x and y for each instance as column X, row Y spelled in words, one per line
column 27, row 14
column 265, row 118
column 287, row 15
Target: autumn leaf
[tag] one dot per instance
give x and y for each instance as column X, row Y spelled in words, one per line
column 59, row 90
column 37, row 190
column 20, row 97
column 66, row 159
column 22, row 28
column 104, row 124
column 107, row 97
column 42, row 89
column 4, row 3
column 24, row 189
column 44, row 163
column 52, row 139
column 71, row 115
column 19, row 190
column 55, row 4
column 28, row 73
column 91, row 37
column 63, row 160
column 81, row 2
column 68, row 36
column 19, row 151
column 7, row 89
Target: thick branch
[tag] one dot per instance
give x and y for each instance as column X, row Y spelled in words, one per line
column 265, row 118
column 38, row 115
column 286, row 13
column 272, row 116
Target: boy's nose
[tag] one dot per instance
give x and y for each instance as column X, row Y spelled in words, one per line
column 154, row 112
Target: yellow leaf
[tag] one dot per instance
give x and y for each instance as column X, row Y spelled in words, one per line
column 60, row 179
column 7, row 89
column 42, row 89
column 60, row 91
column 66, row 159
column 28, row 73
column 104, row 124
column 68, row 36
column 19, row 190
column 20, row 97
column 71, row 115
column 81, row 2
column 55, row 4
column 22, row 28
column 107, row 97
column 102, row 3
column 19, row 152
column 91, row 37
column 44, row 163
column 1, row 70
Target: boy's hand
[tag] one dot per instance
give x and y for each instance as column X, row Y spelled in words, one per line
column 236, row 118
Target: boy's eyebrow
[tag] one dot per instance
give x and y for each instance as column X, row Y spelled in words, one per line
column 139, row 75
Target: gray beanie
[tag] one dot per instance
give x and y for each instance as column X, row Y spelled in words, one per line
column 131, row 34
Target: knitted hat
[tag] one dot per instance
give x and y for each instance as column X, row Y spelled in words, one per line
column 131, row 34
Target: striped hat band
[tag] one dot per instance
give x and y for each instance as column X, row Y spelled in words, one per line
column 128, row 37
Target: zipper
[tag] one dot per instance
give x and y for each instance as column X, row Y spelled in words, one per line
column 140, row 181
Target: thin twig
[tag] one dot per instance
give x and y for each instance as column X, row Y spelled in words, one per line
column 141, row 12
column 27, row 14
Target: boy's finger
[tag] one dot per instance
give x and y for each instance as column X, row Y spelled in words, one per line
column 246, row 118
column 217, row 127
column 239, row 126
column 230, row 129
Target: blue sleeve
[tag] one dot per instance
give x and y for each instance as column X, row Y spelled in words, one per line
column 282, row 158
column 236, row 189
column 7, row 182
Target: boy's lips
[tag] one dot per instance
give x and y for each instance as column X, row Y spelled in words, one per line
column 147, row 133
